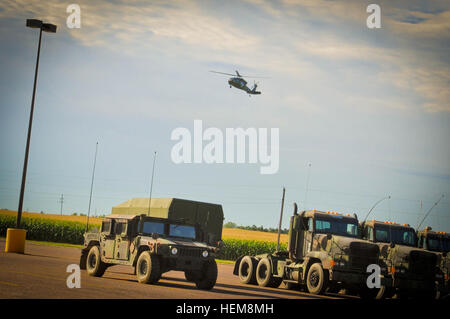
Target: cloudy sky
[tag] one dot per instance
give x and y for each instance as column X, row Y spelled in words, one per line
column 369, row 109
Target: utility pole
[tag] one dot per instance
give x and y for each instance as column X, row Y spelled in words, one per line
column 61, row 201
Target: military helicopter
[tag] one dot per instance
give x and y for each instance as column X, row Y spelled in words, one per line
column 238, row 82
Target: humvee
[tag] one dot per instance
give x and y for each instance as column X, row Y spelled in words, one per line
column 414, row 272
column 438, row 242
column 324, row 253
column 174, row 234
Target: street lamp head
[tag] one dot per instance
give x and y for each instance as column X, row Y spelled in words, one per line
column 48, row 27
column 38, row 24
column 34, row 23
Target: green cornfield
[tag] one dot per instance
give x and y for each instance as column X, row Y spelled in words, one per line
column 72, row 233
column 46, row 230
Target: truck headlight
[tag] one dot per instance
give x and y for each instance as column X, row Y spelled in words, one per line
column 174, row 251
column 205, row 253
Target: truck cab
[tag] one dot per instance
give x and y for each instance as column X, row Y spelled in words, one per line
column 413, row 271
column 439, row 243
column 324, row 252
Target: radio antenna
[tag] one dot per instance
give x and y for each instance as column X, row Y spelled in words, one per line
column 151, row 184
column 92, row 186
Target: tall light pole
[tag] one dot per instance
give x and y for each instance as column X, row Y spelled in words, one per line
column 15, row 237
column 46, row 27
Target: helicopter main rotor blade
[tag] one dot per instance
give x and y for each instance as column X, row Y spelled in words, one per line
column 223, row 73
column 242, row 76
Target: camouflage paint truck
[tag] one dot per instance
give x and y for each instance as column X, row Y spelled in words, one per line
column 414, row 272
column 438, row 242
column 174, row 234
column 324, row 252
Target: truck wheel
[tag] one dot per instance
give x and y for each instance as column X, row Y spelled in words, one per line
column 94, row 264
column 209, row 276
column 191, row 275
column 247, row 270
column 148, row 268
column 368, row 293
column 264, row 275
column 316, row 281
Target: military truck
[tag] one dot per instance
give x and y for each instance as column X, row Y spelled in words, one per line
column 324, row 252
column 171, row 234
column 414, row 272
column 438, row 242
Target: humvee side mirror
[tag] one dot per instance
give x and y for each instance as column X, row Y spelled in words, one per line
column 155, row 235
column 392, row 245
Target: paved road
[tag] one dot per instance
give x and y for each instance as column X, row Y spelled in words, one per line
column 41, row 273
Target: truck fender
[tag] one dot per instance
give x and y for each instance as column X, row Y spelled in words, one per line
column 85, row 252
column 140, row 250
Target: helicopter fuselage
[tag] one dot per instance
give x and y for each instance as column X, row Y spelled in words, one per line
column 241, row 84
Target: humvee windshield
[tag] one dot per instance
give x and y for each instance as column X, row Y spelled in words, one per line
column 153, row 227
column 337, row 227
column 182, row 231
column 170, row 230
column 401, row 236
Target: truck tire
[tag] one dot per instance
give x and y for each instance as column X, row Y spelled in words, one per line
column 367, row 293
column 191, row 275
column 209, row 276
column 94, row 264
column 264, row 275
column 148, row 268
column 247, row 270
column 316, row 281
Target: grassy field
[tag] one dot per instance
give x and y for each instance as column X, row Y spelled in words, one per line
column 228, row 233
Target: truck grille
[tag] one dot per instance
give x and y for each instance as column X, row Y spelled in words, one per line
column 189, row 252
column 422, row 263
column 362, row 255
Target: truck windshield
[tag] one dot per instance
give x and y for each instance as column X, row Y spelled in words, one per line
column 446, row 244
column 183, row 231
column 337, row 227
column 397, row 235
column 435, row 243
column 153, row 227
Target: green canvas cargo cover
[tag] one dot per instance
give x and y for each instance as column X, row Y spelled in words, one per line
column 208, row 216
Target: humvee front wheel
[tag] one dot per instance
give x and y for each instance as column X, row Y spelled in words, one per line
column 316, row 281
column 209, row 276
column 148, row 268
column 94, row 265
column 191, row 275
